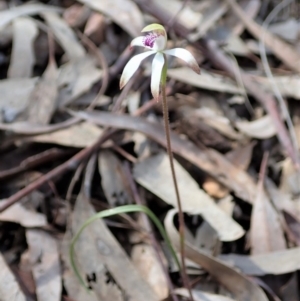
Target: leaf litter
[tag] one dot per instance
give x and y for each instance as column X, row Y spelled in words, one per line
column 60, row 67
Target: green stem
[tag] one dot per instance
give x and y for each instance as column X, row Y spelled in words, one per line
column 111, row 212
column 171, row 159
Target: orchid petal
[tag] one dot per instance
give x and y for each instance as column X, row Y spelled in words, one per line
column 138, row 42
column 132, row 66
column 160, row 43
column 185, row 56
column 157, row 66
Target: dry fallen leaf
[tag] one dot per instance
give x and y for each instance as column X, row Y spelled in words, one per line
column 274, row 263
column 19, row 214
column 266, row 233
column 154, row 174
column 99, row 253
column 124, row 12
column 206, row 80
column 44, row 258
column 113, row 179
column 65, row 36
column 76, row 78
column 261, row 128
column 208, row 160
column 281, row 49
column 6, row 16
column 240, row 286
column 202, row 296
column 43, row 98
column 145, row 260
column 9, row 287
column 15, row 97
column 78, row 135
column 22, row 57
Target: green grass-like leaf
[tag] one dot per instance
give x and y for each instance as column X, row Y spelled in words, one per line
column 114, row 211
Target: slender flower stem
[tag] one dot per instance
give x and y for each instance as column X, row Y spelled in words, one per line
column 170, row 154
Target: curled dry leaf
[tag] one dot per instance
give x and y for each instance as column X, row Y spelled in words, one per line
column 240, row 286
column 22, row 56
column 155, row 175
column 124, row 12
column 9, row 287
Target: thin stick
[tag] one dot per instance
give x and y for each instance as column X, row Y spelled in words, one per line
column 171, row 159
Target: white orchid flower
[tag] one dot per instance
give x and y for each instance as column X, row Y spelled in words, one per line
column 156, row 41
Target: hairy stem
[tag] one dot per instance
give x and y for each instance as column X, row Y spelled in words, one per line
column 171, row 159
